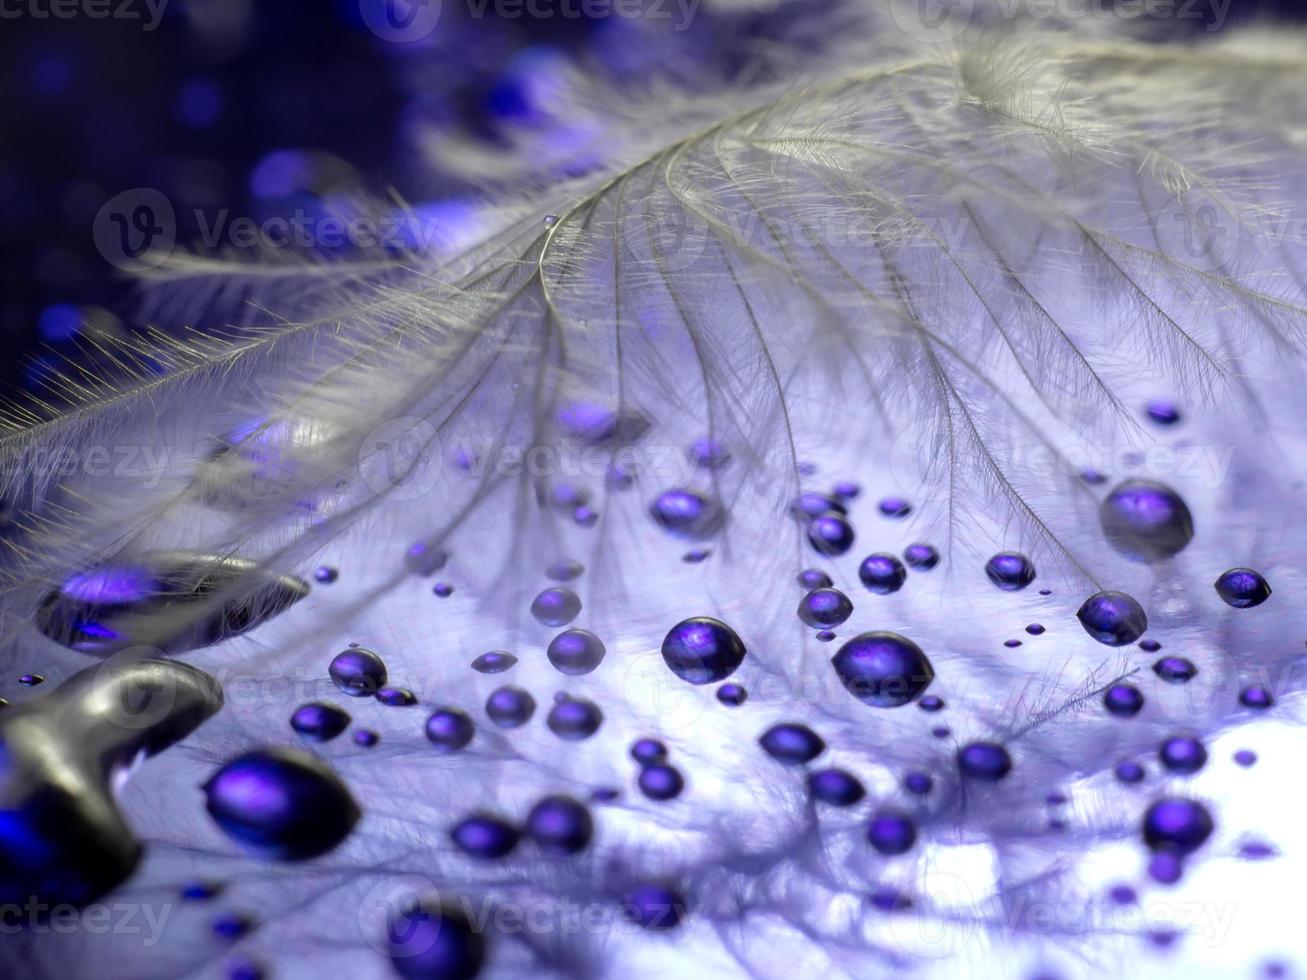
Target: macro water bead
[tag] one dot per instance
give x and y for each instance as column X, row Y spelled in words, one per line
column 357, row 672
column 791, row 743
column 560, row 825
column 655, row 907
column 1113, row 618
column 884, row 670
column 891, row 833
column 1010, row 571
column 1123, row 700
column 576, row 652
column 689, row 514
column 882, row 573
column 1175, row 670
column 921, row 557
column 1242, row 588
column 556, row 607
column 986, row 762
column 281, row 803
column 510, row 707
column 450, row 729
column 1183, row 754
column 1177, row 824
column 831, row 534
column 428, row 939
column 574, row 719
column 702, row 650
column 810, row 504
column 319, row 721
column 485, row 836
column 1146, row 521
column 494, row 662
column 813, row 578
column 823, row 608
column 835, row 786
column 660, row 781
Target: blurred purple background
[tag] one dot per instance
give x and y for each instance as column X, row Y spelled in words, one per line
column 235, row 108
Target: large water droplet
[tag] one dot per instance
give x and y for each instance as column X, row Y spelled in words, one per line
column 556, row 606
column 174, row 601
column 281, row 803
column 883, row 669
column 702, row 650
column 576, row 652
column 1113, row 618
column 1146, row 521
column 358, row 672
column 689, row 514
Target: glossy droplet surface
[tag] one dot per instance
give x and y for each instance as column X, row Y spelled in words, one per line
column 894, row 507
column 281, row 803
column 835, row 787
column 174, row 601
column 1242, row 588
column 655, row 907
column 791, row 743
column 702, row 650
column 574, row 719
column 358, row 672
column 450, row 729
column 648, row 750
column 510, row 707
column 891, row 833
column 688, row 514
column 431, row 940
column 1113, row 618
column 576, row 652
column 565, row 570
column 556, row 607
column 319, row 721
column 660, row 781
column 1129, row 772
column 494, row 662
column 1182, row 754
column 732, row 695
column 1123, row 700
column 985, row 762
column 1146, row 521
column 1011, row 571
column 882, row 669
column 921, row 557
column 560, row 825
column 813, row 578
column 882, row 573
column 397, row 697
column 485, row 836
column 424, row 558
column 1175, row 670
column 811, row 504
column 823, row 608
column 1256, row 696
column 831, row 534
column 1177, row 824
column 708, row 454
